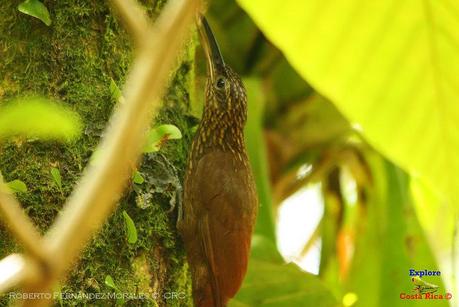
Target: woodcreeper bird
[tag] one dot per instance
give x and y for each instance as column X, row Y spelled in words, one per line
column 219, row 200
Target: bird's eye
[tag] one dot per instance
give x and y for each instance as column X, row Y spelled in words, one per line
column 220, row 84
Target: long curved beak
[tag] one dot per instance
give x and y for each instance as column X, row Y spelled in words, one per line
column 214, row 57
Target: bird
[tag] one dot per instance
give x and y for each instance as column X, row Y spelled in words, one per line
column 220, row 204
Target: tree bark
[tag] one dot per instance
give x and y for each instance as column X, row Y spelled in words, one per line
column 74, row 61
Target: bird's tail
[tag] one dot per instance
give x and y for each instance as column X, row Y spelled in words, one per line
column 214, row 288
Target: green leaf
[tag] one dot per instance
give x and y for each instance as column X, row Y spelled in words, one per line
column 271, row 282
column 256, row 149
column 38, row 117
column 158, row 135
column 282, row 285
column 389, row 243
column 114, row 90
column 130, row 228
column 110, row 283
column 17, row 186
column 390, row 67
column 36, row 9
column 138, row 178
column 194, row 129
column 56, row 174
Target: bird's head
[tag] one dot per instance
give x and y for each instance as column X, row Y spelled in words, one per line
column 225, row 91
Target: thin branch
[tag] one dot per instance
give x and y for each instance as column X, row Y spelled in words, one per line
column 101, row 186
column 134, row 18
column 289, row 183
column 312, row 239
column 20, row 224
column 16, row 270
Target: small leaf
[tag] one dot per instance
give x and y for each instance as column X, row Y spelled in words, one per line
column 130, row 228
column 38, row 117
column 17, row 186
column 56, row 174
column 36, row 9
column 110, row 283
column 115, row 90
column 194, row 129
column 138, row 178
column 158, row 135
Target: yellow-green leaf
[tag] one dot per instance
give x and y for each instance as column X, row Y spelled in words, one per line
column 36, row 9
column 17, row 186
column 138, row 178
column 158, row 135
column 38, row 117
column 391, row 67
column 56, row 174
column 130, row 228
column 115, row 90
column 110, row 283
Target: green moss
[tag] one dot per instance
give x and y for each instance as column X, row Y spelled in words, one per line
column 73, row 61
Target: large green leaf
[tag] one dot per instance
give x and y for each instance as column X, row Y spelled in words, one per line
column 390, row 242
column 391, row 66
column 271, row 282
column 440, row 227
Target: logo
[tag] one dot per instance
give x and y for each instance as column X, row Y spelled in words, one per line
column 424, row 290
column 423, row 287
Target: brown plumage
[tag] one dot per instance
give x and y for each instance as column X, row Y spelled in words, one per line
column 220, row 202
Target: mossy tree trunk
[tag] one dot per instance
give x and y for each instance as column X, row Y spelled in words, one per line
column 74, row 61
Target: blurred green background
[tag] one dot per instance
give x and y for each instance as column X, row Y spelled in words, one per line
column 356, row 100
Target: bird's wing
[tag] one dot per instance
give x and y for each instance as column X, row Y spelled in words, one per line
column 208, row 248
column 229, row 207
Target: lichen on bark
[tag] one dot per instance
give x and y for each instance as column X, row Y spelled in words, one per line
column 74, row 61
